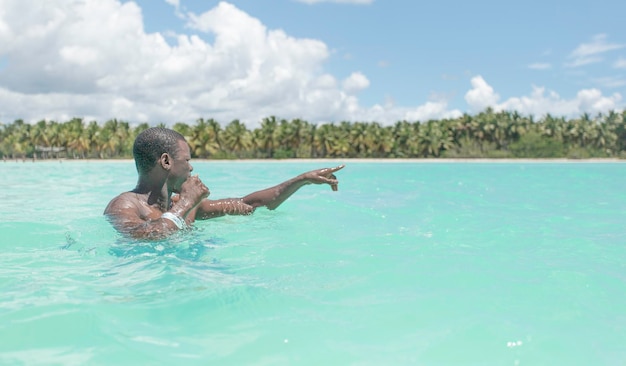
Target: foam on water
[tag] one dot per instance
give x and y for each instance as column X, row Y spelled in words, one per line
column 409, row 263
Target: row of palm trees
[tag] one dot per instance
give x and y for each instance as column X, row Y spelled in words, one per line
column 488, row 134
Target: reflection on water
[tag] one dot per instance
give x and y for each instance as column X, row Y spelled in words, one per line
column 184, row 245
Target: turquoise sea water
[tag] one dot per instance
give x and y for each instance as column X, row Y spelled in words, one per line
column 408, row 263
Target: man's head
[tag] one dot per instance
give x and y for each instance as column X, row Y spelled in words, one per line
column 151, row 144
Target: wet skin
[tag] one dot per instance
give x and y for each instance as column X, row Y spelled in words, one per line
column 170, row 187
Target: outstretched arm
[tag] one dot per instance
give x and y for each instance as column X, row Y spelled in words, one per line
column 272, row 197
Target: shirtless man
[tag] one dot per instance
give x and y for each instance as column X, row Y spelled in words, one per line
column 150, row 211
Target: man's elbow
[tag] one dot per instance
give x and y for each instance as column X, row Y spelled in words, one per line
column 272, row 206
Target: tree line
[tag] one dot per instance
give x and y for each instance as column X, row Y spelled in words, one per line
column 488, row 134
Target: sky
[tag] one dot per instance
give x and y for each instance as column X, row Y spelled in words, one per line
column 169, row 61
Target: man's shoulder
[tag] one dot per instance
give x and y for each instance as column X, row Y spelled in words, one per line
column 124, row 200
column 124, row 197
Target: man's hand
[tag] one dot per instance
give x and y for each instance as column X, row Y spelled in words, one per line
column 194, row 190
column 272, row 197
column 238, row 207
column 323, row 176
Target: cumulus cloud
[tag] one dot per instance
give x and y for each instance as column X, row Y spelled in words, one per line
column 355, row 83
column 94, row 59
column 431, row 110
column 541, row 102
column 481, row 95
column 71, row 51
column 588, row 53
column 389, row 113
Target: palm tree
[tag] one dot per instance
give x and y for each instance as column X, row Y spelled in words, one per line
column 265, row 136
column 285, row 135
column 17, row 142
column 58, row 140
column 114, row 139
column 215, row 135
column 204, row 140
column 39, row 138
column 463, row 133
column 580, row 131
column 77, row 139
column 402, row 132
column 182, row 128
column 237, row 138
column 518, row 127
column 338, row 142
column 617, row 123
column 298, row 141
column 584, row 136
column 605, row 136
column 434, row 139
column 322, row 140
column 311, row 141
column 358, row 140
column 380, row 140
column 553, row 128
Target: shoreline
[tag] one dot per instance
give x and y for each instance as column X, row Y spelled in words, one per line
column 344, row 161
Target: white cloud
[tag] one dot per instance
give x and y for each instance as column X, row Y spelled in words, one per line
column 540, row 66
column 96, row 61
column 389, row 113
column 588, row 53
column 481, row 95
column 177, row 8
column 611, row 82
column 598, row 45
column 538, row 103
column 79, row 55
column 97, row 49
column 620, row 63
column 582, row 61
column 93, row 59
column 355, row 83
column 431, row 110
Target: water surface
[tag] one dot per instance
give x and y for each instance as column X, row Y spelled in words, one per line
column 409, row 263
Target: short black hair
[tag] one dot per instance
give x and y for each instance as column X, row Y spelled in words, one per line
column 151, row 144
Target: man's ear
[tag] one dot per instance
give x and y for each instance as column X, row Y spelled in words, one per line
column 166, row 161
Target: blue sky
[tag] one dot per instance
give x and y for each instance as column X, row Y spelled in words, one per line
column 323, row 61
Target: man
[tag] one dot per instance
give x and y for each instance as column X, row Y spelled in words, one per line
column 162, row 156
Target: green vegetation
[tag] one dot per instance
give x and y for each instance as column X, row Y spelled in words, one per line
column 485, row 135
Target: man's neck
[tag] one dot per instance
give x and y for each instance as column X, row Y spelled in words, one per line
column 156, row 192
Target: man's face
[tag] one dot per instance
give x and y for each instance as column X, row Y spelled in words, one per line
column 181, row 168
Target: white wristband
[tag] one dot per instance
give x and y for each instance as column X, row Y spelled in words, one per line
column 177, row 220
